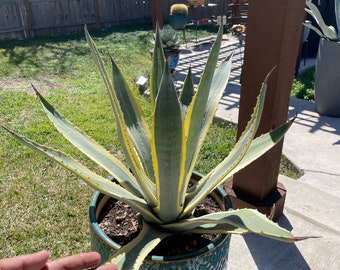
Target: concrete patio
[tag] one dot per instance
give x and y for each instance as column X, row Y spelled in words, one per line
column 312, row 205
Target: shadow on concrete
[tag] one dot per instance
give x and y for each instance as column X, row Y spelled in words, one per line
column 307, row 116
column 196, row 57
column 272, row 254
column 231, row 97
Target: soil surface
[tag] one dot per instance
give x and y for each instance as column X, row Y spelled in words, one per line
column 119, row 222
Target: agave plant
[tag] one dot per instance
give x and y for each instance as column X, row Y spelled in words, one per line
column 325, row 31
column 170, row 39
column 162, row 156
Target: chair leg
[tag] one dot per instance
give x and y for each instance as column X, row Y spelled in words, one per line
column 185, row 38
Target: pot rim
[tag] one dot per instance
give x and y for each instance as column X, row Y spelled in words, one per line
column 329, row 40
column 116, row 246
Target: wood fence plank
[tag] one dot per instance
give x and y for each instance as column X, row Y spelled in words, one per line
column 24, row 18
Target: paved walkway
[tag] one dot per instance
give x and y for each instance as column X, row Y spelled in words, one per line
column 313, row 202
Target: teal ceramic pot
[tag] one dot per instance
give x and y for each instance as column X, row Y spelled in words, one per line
column 178, row 22
column 214, row 256
column 327, row 78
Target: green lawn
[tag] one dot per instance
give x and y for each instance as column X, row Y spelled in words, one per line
column 42, row 205
column 303, row 85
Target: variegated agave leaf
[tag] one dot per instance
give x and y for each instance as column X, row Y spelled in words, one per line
column 162, row 156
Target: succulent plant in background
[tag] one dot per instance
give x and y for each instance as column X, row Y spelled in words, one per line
column 170, row 43
column 326, row 31
column 169, row 38
column 178, row 16
column 327, row 80
column 162, row 156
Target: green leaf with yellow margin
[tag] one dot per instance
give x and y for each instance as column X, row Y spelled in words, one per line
column 94, row 180
column 123, row 133
column 214, row 178
column 134, row 119
column 131, row 256
column 250, row 220
column 90, row 148
column 168, row 146
column 203, row 106
column 157, row 67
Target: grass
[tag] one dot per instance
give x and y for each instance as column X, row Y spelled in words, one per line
column 303, row 85
column 42, row 205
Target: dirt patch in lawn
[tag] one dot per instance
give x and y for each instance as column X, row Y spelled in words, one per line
column 44, row 84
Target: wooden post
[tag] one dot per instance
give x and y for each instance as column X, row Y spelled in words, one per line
column 235, row 15
column 156, row 13
column 29, row 24
column 273, row 38
column 96, row 13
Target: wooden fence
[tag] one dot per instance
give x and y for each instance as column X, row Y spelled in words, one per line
column 21, row 19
